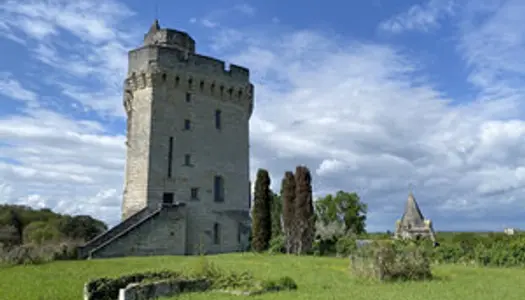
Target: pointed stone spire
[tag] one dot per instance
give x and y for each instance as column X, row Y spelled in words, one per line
column 412, row 215
column 154, row 27
column 149, row 38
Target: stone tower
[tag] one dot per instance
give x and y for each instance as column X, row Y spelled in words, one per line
column 187, row 186
column 412, row 224
column 188, row 126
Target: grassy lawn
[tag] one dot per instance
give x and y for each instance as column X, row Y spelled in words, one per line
column 317, row 278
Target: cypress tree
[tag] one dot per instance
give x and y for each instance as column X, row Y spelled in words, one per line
column 277, row 212
column 262, row 218
column 304, row 210
column 288, row 199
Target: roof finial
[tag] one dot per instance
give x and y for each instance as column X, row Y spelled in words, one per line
column 156, row 10
column 410, row 188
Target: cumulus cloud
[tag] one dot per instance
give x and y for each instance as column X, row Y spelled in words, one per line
column 361, row 115
column 419, row 17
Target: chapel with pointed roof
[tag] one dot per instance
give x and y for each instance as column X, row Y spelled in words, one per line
column 413, row 224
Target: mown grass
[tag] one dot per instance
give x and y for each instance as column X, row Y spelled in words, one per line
column 317, row 278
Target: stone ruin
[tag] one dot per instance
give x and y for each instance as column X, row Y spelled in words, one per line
column 412, row 224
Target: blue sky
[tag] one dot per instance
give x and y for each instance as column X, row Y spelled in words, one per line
column 373, row 96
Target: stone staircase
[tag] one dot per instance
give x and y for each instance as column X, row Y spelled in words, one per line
column 84, row 251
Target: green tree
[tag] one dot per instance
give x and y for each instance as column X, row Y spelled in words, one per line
column 16, row 222
column 277, row 211
column 40, row 232
column 344, row 207
column 288, row 200
column 80, row 227
column 262, row 219
column 304, row 210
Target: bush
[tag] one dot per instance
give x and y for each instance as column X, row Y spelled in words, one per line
column 345, row 246
column 277, row 245
column 283, row 283
column 388, row 261
column 485, row 250
column 38, row 254
column 108, row 288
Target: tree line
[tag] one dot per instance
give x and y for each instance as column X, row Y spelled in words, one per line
column 292, row 218
column 21, row 225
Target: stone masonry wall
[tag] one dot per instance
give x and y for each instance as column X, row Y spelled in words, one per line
column 163, row 234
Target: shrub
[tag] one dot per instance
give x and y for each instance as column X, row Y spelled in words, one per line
column 388, row 261
column 345, row 246
column 277, row 245
column 283, row 283
column 485, row 250
column 38, row 254
column 108, row 288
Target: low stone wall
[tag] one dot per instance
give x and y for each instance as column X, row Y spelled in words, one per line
column 169, row 288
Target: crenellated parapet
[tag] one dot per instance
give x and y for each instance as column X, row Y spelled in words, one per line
column 232, row 91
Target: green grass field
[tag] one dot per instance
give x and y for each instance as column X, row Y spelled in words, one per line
column 317, row 278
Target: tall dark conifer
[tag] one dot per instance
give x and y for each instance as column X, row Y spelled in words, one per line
column 304, row 210
column 288, row 200
column 262, row 218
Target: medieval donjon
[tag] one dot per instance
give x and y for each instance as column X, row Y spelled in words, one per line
column 187, row 186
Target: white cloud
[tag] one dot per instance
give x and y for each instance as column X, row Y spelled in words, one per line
column 13, row 89
column 492, row 42
column 97, row 53
column 214, row 18
column 419, row 17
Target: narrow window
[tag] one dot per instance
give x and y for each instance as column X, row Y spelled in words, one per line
column 188, row 97
column 170, row 156
column 216, row 233
column 167, row 198
column 190, row 83
column 249, row 195
column 187, row 159
column 218, row 119
column 202, row 85
column 164, row 77
column 239, row 232
column 194, row 193
column 218, row 189
column 187, row 124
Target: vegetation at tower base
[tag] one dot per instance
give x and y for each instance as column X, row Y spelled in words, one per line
column 262, row 219
column 31, row 236
column 288, row 198
column 304, row 210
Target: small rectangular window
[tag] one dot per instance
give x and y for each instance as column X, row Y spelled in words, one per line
column 187, row 124
column 188, row 97
column 218, row 189
column 194, row 193
column 218, row 119
column 187, row 159
column 170, row 156
column 167, row 198
column 216, row 233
